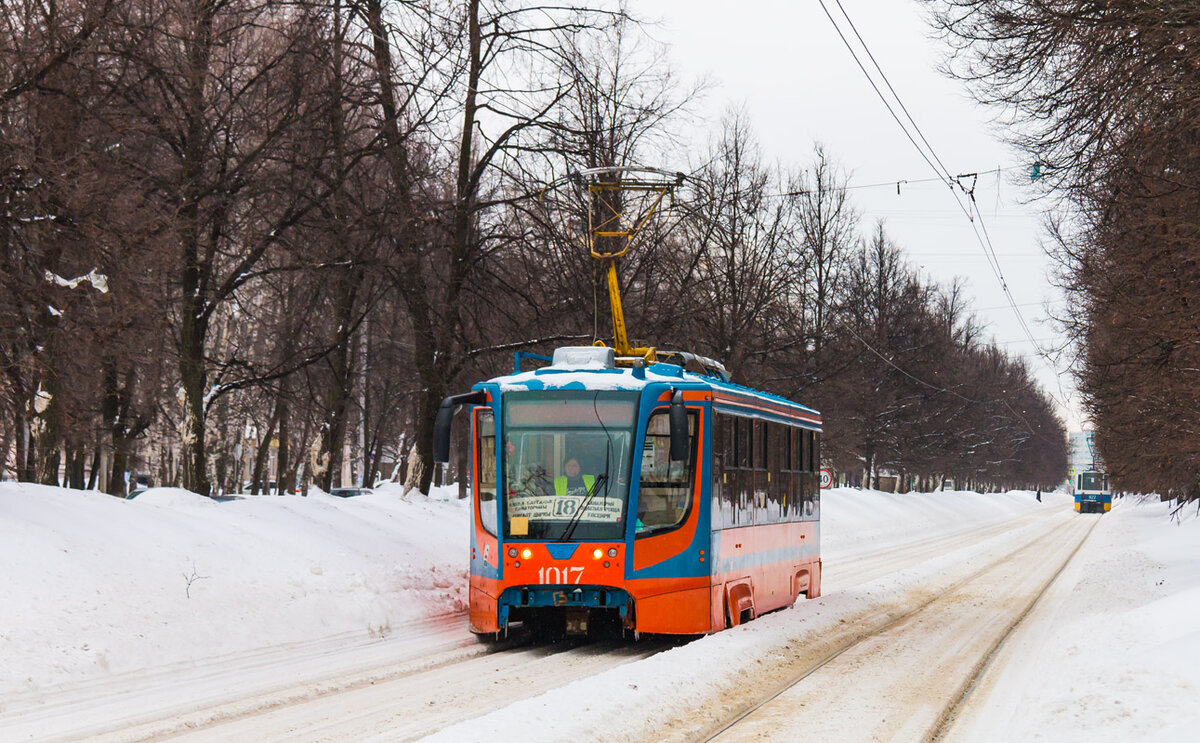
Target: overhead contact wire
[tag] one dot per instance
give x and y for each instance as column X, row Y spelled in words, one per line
column 972, row 213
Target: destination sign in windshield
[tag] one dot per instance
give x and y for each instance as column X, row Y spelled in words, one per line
column 564, row 508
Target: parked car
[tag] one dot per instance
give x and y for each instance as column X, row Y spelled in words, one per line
column 349, row 492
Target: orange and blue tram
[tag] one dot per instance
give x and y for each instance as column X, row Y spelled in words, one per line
column 650, row 498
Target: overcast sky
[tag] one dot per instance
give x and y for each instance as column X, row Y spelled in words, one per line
column 786, row 64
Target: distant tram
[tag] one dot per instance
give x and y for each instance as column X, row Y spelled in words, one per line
column 651, row 498
column 1092, row 494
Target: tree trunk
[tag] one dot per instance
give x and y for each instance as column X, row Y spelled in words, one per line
column 193, row 328
column 373, row 471
column 120, row 460
column 263, row 454
column 283, row 478
column 5, row 442
column 430, row 399
column 75, row 466
column 52, row 463
column 49, row 451
column 460, row 462
column 415, row 470
column 333, row 434
column 24, row 466
column 194, row 378
column 94, row 475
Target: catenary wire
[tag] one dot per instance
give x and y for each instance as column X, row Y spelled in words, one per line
column 973, row 214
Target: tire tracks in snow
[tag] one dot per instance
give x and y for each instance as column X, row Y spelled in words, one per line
column 856, row 660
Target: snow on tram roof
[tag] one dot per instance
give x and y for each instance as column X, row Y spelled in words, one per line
column 598, row 378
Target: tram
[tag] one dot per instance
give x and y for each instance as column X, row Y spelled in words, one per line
column 635, row 488
column 653, row 498
column 1092, row 494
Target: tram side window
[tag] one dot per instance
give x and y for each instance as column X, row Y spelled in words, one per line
column 796, row 477
column 743, row 430
column 717, row 490
column 729, row 475
column 665, row 493
column 759, row 484
column 777, row 481
column 796, row 488
column 742, row 480
column 722, row 467
column 812, row 496
column 485, row 469
column 761, row 442
column 803, row 445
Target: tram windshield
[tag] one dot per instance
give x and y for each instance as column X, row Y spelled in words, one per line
column 567, row 458
column 1092, row 481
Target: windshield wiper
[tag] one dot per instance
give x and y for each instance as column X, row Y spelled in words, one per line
column 601, row 479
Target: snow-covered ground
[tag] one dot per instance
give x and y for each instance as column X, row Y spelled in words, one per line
column 1113, row 651
column 95, row 586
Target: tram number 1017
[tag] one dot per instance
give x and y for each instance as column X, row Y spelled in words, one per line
column 568, row 575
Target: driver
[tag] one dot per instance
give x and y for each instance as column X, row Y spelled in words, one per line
column 573, row 483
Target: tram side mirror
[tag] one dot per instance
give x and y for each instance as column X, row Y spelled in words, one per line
column 445, row 414
column 679, row 428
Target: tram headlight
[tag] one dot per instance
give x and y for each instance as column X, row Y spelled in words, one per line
column 612, row 551
column 512, row 551
column 597, row 554
column 526, row 553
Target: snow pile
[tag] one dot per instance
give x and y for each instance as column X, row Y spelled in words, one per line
column 852, row 518
column 98, row 585
column 1121, row 657
column 95, row 585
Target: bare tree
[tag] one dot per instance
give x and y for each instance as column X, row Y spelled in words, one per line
column 1104, row 99
column 742, row 271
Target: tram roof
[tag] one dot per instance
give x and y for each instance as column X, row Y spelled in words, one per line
column 624, row 378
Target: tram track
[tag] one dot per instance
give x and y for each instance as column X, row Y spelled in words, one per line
column 843, row 571
column 860, row 656
column 407, row 707
column 397, row 688
column 951, row 712
column 411, row 697
column 157, row 700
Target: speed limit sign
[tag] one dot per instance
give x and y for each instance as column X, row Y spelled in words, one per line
column 826, row 479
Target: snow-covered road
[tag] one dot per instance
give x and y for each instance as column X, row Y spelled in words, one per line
column 908, row 676
column 919, row 591
column 416, row 683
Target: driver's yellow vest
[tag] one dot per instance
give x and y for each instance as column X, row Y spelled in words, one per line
column 560, row 484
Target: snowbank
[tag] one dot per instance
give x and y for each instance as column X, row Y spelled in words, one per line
column 1120, row 659
column 96, row 585
column 852, row 518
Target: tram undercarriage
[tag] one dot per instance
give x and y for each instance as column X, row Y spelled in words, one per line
column 555, row 611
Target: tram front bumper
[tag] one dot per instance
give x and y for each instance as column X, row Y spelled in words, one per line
column 521, row 603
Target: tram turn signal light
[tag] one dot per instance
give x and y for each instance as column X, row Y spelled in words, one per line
column 612, row 551
column 512, row 551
